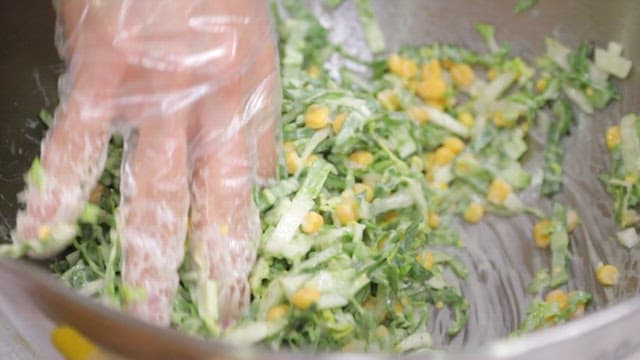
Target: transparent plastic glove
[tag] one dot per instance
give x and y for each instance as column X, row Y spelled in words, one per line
column 193, row 86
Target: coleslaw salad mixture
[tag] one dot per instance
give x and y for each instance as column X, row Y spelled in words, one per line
column 358, row 244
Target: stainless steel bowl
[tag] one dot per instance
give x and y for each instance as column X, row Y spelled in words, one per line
column 500, row 251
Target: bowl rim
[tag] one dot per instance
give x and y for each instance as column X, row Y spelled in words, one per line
column 40, row 285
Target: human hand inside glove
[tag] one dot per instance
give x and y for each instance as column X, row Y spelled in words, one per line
column 193, row 87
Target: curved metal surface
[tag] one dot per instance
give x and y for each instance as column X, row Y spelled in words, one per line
column 503, row 258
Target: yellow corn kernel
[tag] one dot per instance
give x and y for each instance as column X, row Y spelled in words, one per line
column 370, row 303
column 277, row 312
column 398, row 308
column 389, row 216
column 419, row 115
column 311, row 159
column 382, row 242
column 438, row 104
column 498, row 191
column 405, row 68
column 73, row 345
column 394, row 62
column 44, row 231
column 613, row 137
column 305, row 297
column 588, row 91
column 466, row 119
column 454, row 144
column 607, row 275
column 347, row 211
column 313, row 71
column 431, row 70
column 573, row 220
column 462, row 75
column 444, row 156
column 338, row 122
column 447, row 64
column 427, row 262
column 312, row 223
column 439, row 185
column 382, row 332
column 292, row 160
column 474, row 213
column 559, row 297
column 432, row 90
column 433, row 220
column 549, row 321
column 541, row 84
column 388, row 99
column 579, row 311
column 541, row 234
column 361, row 158
column 430, row 174
column 429, row 160
column 316, row 117
column 500, row 121
column 492, row 73
column 363, row 188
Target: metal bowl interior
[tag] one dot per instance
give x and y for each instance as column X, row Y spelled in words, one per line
column 499, row 251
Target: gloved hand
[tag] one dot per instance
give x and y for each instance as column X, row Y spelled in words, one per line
column 193, row 86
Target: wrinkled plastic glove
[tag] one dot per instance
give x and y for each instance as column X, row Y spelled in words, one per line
column 193, row 87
